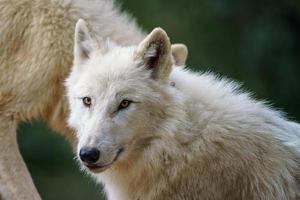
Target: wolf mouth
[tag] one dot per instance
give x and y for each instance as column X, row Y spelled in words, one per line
column 100, row 168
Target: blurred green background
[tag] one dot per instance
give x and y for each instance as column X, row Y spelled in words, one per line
column 256, row 42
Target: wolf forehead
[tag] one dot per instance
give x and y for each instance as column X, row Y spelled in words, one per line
column 116, row 71
column 116, row 62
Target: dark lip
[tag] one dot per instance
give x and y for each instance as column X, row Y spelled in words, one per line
column 100, row 168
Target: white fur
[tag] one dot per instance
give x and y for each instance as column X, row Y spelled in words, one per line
column 226, row 95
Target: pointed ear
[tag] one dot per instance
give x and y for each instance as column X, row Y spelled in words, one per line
column 154, row 52
column 84, row 43
column 179, row 54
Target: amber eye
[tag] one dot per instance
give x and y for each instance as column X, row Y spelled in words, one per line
column 124, row 104
column 87, row 101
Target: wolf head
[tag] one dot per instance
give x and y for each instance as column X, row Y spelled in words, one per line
column 119, row 96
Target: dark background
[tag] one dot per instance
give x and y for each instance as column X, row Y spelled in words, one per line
column 256, row 42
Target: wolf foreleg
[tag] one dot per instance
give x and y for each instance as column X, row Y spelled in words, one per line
column 15, row 180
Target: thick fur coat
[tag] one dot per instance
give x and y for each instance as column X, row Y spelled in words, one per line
column 166, row 133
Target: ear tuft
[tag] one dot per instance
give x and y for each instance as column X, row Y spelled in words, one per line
column 155, row 53
column 179, row 54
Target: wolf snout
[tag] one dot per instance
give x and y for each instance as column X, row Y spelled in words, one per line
column 89, row 155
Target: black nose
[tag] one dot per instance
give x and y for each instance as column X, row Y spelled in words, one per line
column 89, row 155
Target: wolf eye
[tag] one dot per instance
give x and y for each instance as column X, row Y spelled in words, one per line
column 87, row 101
column 124, row 104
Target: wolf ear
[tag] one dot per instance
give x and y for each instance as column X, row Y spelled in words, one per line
column 179, row 54
column 84, row 43
column 154, row 52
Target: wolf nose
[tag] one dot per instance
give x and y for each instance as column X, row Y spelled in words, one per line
column 89, row 155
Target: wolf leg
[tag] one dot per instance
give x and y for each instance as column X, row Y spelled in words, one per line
column 15, row 180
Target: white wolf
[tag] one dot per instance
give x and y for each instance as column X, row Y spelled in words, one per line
column 163, row 133
column 36, row 40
